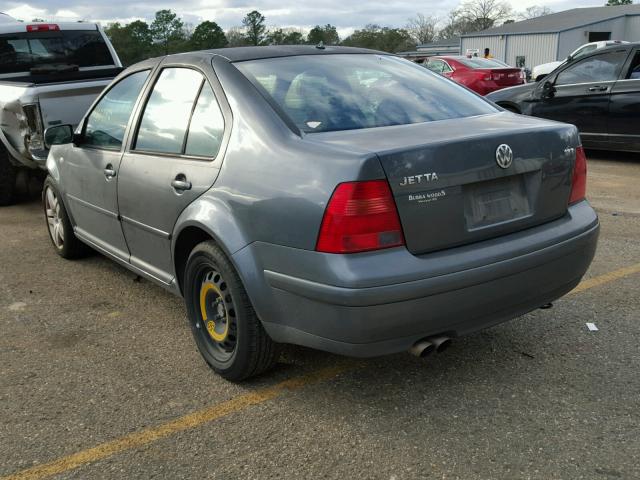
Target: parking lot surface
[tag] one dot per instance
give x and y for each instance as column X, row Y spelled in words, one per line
column 100, row 378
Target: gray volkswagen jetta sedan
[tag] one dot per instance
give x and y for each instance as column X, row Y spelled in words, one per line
column 337, row 198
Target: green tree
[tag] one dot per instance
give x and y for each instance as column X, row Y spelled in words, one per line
column 615, row 3
column 133, row 42
column 423, row 29
column 380, row 38
column 286, row 36
column 483, row 14
column 255, row 28
column 208, row 35
column 327, row 35
column 167, row 31
column 236, row 37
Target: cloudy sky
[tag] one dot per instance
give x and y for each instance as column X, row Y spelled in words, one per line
column 283, row 13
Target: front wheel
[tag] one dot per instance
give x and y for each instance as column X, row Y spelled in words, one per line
column 225, row 326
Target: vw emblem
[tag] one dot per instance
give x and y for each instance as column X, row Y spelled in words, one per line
column 504, row 156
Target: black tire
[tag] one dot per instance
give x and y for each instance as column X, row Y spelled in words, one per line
column 7, row 179
column 510, row 108
column 67, row 246
column 243, row 348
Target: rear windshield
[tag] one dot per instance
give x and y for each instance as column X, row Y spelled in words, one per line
column 23, row 52
column 482, row 63
column 321, row 93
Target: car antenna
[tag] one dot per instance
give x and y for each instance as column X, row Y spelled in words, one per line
column 320, row 45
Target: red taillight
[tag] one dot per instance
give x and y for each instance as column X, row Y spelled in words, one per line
column 360, row 216
column 43, row 27
column 579, row 180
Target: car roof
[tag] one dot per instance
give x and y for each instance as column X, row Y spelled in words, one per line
column 241, row 54
column 21, row 27
column 608, row 48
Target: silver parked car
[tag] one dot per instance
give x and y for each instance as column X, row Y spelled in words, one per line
column 338, row 198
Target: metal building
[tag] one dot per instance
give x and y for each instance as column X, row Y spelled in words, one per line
column 553, row 37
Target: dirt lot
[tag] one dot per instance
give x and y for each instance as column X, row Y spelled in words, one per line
column 99, row 378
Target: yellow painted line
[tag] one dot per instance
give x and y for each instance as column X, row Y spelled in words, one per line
column 191, row 420
column 242, row 402
column 606, row 278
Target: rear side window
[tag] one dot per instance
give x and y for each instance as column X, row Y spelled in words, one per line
column 107, row 122
column 599, row 68
column 482, row 63
column 182, row 116
column 207, row 126
column 166, row 116
column 22, row 52
column 321, row 93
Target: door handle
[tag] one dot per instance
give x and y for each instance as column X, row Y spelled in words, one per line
column 598, row 88
column 109, row 172
column 180, row 183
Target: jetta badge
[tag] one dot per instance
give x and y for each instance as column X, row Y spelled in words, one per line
column 504, row 156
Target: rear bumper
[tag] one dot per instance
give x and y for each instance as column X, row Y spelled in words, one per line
column 374, row 304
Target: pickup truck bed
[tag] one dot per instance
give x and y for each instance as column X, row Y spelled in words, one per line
column 41, row 87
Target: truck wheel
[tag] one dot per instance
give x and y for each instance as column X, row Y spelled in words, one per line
column 224, row 324
column 7, row 179
column 58, row 224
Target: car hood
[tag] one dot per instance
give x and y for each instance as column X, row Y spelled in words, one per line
column 512, row 93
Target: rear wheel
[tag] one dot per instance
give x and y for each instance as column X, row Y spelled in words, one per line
column 225, row 326
column 7, row 178
column 59, row 226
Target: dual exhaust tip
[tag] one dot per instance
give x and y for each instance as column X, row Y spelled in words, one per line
column 428, row 345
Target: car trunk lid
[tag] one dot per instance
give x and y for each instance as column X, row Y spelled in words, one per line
column 448, row 186
column 503, row 77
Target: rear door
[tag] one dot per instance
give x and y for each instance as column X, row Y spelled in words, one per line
column 90, row 169
column 581, row 96
column 173, row 158
column 624, row 110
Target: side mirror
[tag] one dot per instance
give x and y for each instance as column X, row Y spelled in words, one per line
column 58, row 135
column 548, row 90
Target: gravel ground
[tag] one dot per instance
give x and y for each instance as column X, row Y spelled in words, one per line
column 89, row 353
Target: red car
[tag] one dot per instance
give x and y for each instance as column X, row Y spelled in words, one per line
column 482, row 75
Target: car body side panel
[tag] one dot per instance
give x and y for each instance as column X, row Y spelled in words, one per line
column 149, row 205
column 624, row 115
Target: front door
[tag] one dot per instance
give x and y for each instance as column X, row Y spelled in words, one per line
column 624, row 120
column 90, row 171
column 581, row 92
column 171, row 162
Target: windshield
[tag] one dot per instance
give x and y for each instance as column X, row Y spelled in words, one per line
column 322, row 93
column 22, row 52
column 482, row 63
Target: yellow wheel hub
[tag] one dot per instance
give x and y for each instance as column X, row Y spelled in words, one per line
column 214, row 313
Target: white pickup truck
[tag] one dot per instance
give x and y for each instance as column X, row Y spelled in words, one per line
column 49, row 75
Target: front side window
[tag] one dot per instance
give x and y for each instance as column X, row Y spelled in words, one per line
column 634, row 70
column 322, row 93
column 108, row 121
column 166, row 116
column 599, row 68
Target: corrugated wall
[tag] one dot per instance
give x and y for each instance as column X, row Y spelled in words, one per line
column 535, row 48
column 632, row 30
column 493, row 43
column 572, row 39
